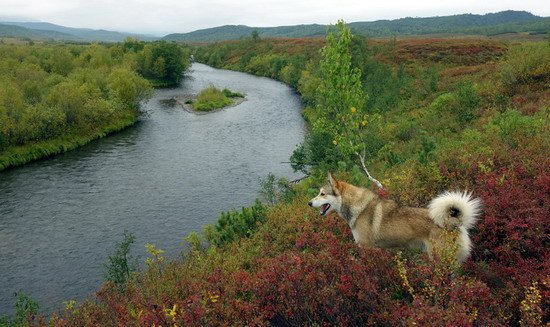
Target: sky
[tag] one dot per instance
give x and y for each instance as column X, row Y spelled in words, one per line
column 161, row 17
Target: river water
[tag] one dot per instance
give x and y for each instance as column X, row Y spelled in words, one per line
column 170, row 174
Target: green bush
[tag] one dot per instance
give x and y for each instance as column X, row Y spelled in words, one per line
column 230, row 94
column 265, row 65
column 526, row 64
column 120, row 263
column 274, row 191
column 128, row 87
column 42, row 122
column 26, row 310
column 468, row 102
column 513, row 128
column 233, row 225
column 317, row 150
column 211, row 98
column 163, row 63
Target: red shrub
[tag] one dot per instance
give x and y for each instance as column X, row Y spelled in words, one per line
column 513, row 234
column 306, row 270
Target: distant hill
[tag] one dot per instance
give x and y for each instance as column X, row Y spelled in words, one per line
column 234, row 32
column 41, row 30
column 488, row 24
column 35, row 34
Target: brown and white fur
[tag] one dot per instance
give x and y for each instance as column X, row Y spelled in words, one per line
column 383, row 223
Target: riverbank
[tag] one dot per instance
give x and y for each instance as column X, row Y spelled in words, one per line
column 20, row 155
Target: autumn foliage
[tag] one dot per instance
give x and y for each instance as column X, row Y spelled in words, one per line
column 447, row 115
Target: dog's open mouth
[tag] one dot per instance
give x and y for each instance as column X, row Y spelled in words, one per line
column 324, row 209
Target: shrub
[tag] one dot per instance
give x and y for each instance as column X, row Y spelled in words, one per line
column 513, row 128
column 265, row 65
column 211, row 98
column 512, row 236
column 121, row 264
column 26, row 311
column 526, row 64
column 274, row 191
column 234, row 224
column 468, row 102
column 230, row 94
column 290, row 75
column 316, row 150
column 128, row 87
column 42, row 122
column 163, row 63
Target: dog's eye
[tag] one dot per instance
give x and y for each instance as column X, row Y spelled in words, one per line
column 323, row 194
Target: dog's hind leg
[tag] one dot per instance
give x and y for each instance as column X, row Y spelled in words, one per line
column 428, row 247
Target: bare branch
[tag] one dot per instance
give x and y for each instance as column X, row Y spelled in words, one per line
column 296, row 181
column 372, row 179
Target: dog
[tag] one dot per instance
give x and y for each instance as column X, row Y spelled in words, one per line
column 377, row 222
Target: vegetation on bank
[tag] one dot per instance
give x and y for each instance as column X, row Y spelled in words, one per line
column 57, row 97
column 435, row 114
column 212, row 98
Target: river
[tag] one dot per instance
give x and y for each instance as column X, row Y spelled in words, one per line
column 168, row 175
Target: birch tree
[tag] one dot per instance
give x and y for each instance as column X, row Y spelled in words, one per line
column 341, row 99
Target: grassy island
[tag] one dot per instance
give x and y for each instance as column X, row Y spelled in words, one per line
column 212, row 98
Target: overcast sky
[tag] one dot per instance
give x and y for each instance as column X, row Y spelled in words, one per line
column 161, row 17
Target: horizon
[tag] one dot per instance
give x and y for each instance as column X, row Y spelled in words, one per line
column 165, row 19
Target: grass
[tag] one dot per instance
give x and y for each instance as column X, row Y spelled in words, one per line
column 213, row 98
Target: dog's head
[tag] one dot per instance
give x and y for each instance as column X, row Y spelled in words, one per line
column 329, row 197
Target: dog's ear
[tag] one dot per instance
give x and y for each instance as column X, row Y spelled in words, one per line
column 331, row 179
column 333, row 183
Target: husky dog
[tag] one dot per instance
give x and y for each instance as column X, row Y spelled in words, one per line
column 378, row 222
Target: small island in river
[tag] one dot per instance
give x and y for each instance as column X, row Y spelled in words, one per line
column 211, row 99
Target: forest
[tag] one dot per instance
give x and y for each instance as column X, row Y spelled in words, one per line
column 55, row 97
column 430, row 114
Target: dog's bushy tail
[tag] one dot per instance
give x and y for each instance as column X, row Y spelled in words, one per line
column 455, row 209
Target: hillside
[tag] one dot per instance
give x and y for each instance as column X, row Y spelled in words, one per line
column 35, row 34
column 42, row 30
column 488, row 24
column 234, row 32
